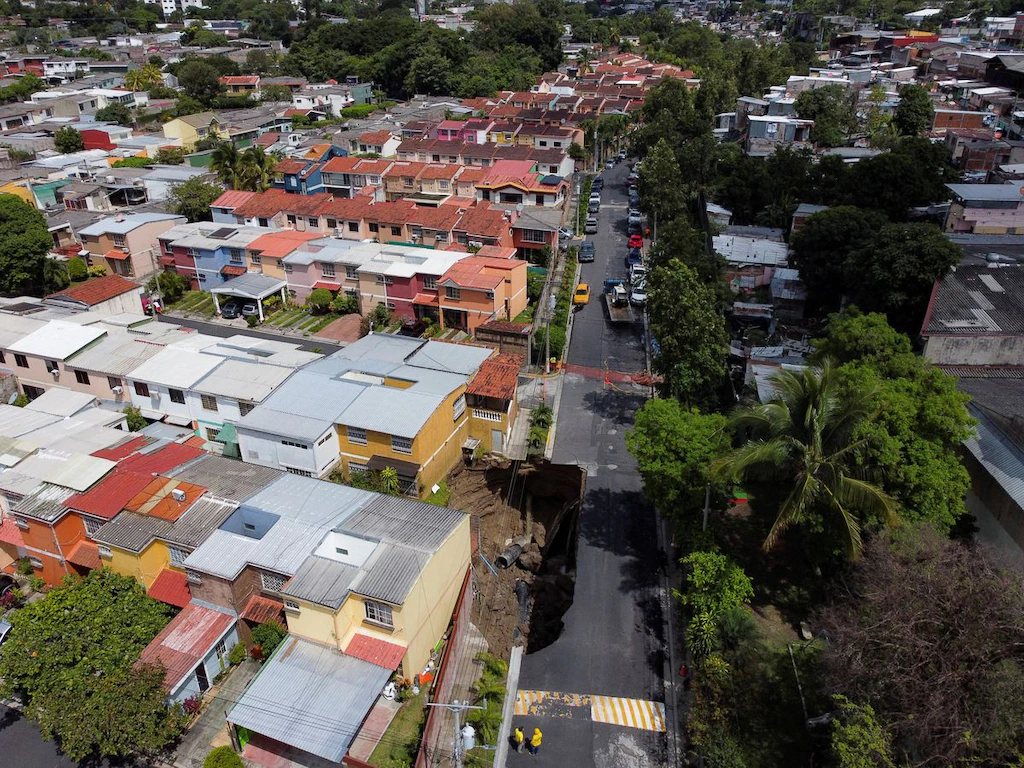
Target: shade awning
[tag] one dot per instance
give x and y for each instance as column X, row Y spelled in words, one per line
column 427, row 299
column 261, row 609
column 251, row 285
column 117, row 255
column 171, row 587
column 10, row 533
column 233, row 271
column 154, row 415
column 179, row 421
column 227, row 434
column 85, row 554
column 406, row 468
column 167, row 261
column 328, row 286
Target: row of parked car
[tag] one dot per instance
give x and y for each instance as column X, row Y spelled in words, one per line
column 233, row 308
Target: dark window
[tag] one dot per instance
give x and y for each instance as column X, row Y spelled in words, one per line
column 353, row 226
column 177, row 396
column 51, row 366
column 82, row 377
column 21, row 361
column 113, row 381
column 396, row 231
column 141, row 389
column 2, row 359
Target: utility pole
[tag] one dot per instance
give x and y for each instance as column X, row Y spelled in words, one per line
column 457, row 707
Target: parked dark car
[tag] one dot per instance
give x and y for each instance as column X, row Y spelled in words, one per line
column 634, row 228
column 586, row 254
column 632, row 259
column 229, row 310
column 413, row 328
column 597, row 184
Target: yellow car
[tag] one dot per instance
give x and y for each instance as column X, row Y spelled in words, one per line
column 582, row 295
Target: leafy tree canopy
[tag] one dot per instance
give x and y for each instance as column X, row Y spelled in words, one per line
column 914, row 112
column 832, row 110
column 199, row 80
column 115, row 113
column 192, row 198
column 24, row 243
column 67, row 140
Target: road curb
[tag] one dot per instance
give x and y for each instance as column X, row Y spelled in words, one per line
column 511, row 691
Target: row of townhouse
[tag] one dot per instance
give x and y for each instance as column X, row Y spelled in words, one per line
column 402, row 221
column 365, row 584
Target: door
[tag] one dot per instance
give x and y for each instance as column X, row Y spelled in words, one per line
column 204, row 681
column 497, row 437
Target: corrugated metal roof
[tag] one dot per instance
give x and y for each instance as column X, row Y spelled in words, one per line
column 376, row 651
column 401, row 412
column 391, row 574
column 226, row 478
column 45, row 502
column 110, row 495
column 243, row 380
column 171, row 587
column 446, row 356
column 58, row 401
column 131, row 531
column 223, row 554
column 15, row 422
column 310, row 697
column 119, row 354
column 305, row 406
column 58, row 340
column 410, row 523
column 178, row 367
column 198, row 522
column 1003, row 460
column 322, row 581
column 186, row 640
column 72, row 470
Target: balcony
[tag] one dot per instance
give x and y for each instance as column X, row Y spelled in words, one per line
column 483, row 415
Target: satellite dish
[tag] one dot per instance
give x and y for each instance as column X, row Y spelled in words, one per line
column 519, row 208
column 12, row 398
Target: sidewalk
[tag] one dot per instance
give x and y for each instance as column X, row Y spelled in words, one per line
column 210, row 730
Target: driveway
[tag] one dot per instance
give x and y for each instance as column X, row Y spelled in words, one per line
column 610, row 658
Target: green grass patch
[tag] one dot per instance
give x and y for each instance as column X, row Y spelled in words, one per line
column 441, row 497
column 308, row 322
column 323, row 322
column 526, row 316
column 287, row 315
column 293, row 319
column 188, row 299
column 400, row 743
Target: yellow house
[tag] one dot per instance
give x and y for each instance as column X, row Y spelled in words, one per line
column 19, row 188
column 189, row 129
column 491, row 401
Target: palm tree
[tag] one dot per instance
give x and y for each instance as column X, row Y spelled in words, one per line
column 226, row 162
column 134, row 80
column 806, row 439
column 256, row 173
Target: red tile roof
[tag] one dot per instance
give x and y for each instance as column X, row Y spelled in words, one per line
column 171, row 587
column 261, row 609
column 426, row 299
column 280, row 244
column 10, row 533
column 377, row 138
column 327, row 285
column 93, row 292
column 240, row 80
column 125, row 449
column 268, row 139
column 497, row 377
column 108, row 497
column 506, row 326
column 117, row 255
column 233, row 198
column 232, row 271
column 86, row 554
column 379, row 652
column 164, row 460
column 185, row 641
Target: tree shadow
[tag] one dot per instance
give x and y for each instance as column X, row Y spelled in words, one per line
column 617, row 407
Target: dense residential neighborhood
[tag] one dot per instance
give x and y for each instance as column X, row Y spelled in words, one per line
column 618, row 384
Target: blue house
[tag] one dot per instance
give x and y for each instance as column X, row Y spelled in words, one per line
column 209, row 253
column 303, row 176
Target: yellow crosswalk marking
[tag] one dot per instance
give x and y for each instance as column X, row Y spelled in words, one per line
column 631, row 713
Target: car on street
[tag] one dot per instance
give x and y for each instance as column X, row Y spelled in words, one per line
column 634, row 198
column 634, row 228
column 229, row 310
column 413, row 328
column 634, row 215
column 631, row 179
column 594, row 206
column 249, row 309
column 636, row 241
column 564, row 233
column 633, row 257
column 637, row 274
column 622, row 154
column 582, row 295
column 638, row 296
column 586, row 254
column 597, row 184
column 591, row 227
column 609, row 164
column 595, row 197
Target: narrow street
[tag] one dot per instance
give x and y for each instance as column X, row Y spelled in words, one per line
column 613, row 643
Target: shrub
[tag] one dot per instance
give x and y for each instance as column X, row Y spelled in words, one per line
column 192, row 705
column 345, row 305
column 268, row 636
column 10, row 600
column 223, row 757
column 97, row 271
column 319, row 300
column 252, row 321
column 36, row 582
column 271, row 303
column 358, row 111
column 236, row 655
column 20, row 401
column 25, row 567
column 170, row 285
column 77, row 270
column 381, row 316
column 714, row 584
column 136, row 420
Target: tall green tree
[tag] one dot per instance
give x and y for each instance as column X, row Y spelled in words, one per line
column 226, row 162
column 24, row 243
column 192, row 198
column 859, row 740
column 661, row 195
column 690, row 332
column 256, row 173
column 805, row 440
column 199, row 80
column 674, row 448
column 832, row 110
column 914, row 113
column 67, row 140
column 71, row 657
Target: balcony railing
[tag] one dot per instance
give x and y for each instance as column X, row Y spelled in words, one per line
column 483, row 415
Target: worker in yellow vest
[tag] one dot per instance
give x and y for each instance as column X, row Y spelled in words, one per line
column 518, row 739
column 535, row 741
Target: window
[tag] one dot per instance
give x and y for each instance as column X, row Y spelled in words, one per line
column 291, row 606
column 299, row 472
column 291, row 218
column 327, row 270
column 113, row 381
column 255, row 259
column 37, row 563
column 353, row 226
column 379, row 613
column 82, row 377
column 221, row 648
column 534, row 236
column 21, row 522
column 384, row 280
column 396, row 231
column 119, row 241
column 351, row 273
column 452, row 293
column 2, row 358
column 356, row 435
column 177, row 396
column 357, row 466
column 91, row 526
column 104, row 550
column 314, row 221
column 441, row 237
column 141, row 389
column 430, row 283
column 21, row 361
column 193, row 577
column 287, row 269
column 435, row 158
column 272, row 582
column 236, row 255
column 264, row 222
column 209, row 402
column 331, row 223
column 293, row 444
column 249, row 527
column 443, row 186
column 341, row 550
column 401, row 445
column 459, row 407
column 244, row 407
column 178, row 555
column 374, row 227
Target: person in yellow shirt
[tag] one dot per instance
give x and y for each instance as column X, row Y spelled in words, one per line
column 535, row 741
column 518, row 739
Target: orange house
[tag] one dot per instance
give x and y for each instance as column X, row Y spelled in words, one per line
column 481, row 288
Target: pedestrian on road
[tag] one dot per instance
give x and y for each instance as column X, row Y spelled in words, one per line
column 518, row 739
column 535, row 741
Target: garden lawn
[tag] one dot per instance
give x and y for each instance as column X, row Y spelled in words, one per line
column 400, row 743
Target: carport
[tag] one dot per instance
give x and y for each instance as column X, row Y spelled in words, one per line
column 252, row 286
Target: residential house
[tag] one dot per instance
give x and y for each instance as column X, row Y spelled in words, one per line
column 40, row 357
column 766, row 133
column 945, row 120
column 159, row 386
column 478, row 289
column 491, row 398
column 159, row 180
column 994, row 209
column 242, row 86
column 484, row 225
column 230, row 391
column 383, row 143
column 267, row 252
column 325, row 263
column 515, row 182
column 371, row 597
column 383, row 401
column 110, row 295
column 355, row 177
column 103, row 135
column 976, row 317
column 189, row 129
column 126, row 244
column 750, row 258
column 403, row 278
column 208, row 254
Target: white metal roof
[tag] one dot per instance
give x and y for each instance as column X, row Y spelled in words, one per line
column 736, row 249
column 122, row 224
column 72, row 470
column 177, row 367
column 57, row 340
column 58, row 401
column 243, row 380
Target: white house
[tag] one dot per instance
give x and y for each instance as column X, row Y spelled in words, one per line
column 230, row 391
column 159, row 387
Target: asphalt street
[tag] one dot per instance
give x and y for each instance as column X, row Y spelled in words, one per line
column 613, row 640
